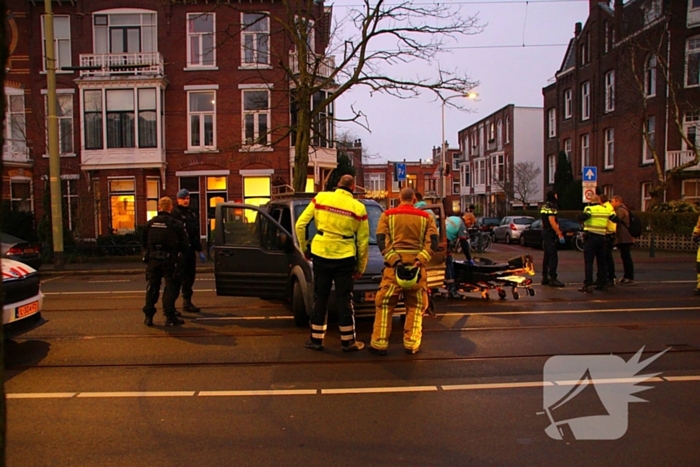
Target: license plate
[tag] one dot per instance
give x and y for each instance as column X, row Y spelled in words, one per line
column 28, row 309
column 369, row 296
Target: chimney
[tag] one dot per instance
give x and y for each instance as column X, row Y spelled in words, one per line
column 577, row 29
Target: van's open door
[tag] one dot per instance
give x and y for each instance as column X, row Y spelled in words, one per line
column 436, row 267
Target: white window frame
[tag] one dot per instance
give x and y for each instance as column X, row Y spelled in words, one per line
column 65, row 95
column 568, row 103
column 609, row 148
column 691, row 128
column 499, row 134
column 652, row 11
column 62, row 43
column 585, row 150
column 551, row 168
column 552, row 122
column 647, row 156
column 15, row 127
column 255, row 113
column 66, row 183
column 465, row 176
column 692, row 51
column 610, row 91
column 567, row 148
column 507, row 128
column 259, row 59
column 198, row 61
column 498, row 168
column 645, row 196
column 585, row 100
column 650, row 76
column 30, row 200
column 202, row 126
column 148, row 32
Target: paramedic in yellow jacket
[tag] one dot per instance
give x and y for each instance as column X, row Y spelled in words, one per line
column 339, row 251
column 407, row 237
column 696, row 239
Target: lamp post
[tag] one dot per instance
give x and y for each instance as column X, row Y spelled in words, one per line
column 443, row 151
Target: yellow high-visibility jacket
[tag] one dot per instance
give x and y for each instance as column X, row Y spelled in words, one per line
column 597, row 223
column 341, row 225
column 410, row 233
column 611, row 228
column 696, row 230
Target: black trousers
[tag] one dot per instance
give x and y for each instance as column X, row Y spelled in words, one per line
column 188, row 269
column 609, row 260
column 550, row 259
column 156, row 271
column 626, row 256
column 326, row 273
column 594, row 249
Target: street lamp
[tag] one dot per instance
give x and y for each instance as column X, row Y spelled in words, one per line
column 443, row 153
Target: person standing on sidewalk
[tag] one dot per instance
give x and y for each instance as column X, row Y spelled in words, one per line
column 339, row 250
column 164, row 239
column 595, row 221
column 624, row 239
column 696, row 240
column 188, row 265
column 552, row 237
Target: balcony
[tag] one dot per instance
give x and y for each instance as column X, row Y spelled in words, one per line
column 120, row 65
column 325, row 67
column 676, row 158
column 16, row 152
column 122, row 158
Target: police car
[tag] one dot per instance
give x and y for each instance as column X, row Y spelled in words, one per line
column 21, row 311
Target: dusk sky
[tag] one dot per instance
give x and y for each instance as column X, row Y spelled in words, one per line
column 508, row 73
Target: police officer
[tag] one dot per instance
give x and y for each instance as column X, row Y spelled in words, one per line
column 188, row 262
column 551, row 236
column 163, row 240
column 595, row 221
column 339, row 250
column 407, row 237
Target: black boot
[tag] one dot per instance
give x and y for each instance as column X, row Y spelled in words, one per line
column 545, row 280
column 148, row 321
column 189, row 307
column 173, row 320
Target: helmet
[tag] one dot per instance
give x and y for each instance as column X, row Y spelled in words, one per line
column 407, row 276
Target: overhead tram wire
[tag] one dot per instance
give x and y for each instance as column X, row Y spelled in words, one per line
column 475, row 2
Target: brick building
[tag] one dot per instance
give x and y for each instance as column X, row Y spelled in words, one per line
column 153, row 97
column 489, row 151
column 613, row 98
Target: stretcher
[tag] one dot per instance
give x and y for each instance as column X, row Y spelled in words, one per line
column 485, row 276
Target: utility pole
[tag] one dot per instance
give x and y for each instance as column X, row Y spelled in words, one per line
column 54, row 158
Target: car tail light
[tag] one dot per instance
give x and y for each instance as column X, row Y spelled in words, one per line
column 513, row 227
column 14, row 251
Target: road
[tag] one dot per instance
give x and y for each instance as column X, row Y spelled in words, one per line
column 234, row 385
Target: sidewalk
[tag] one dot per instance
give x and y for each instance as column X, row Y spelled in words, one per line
column 111, row 267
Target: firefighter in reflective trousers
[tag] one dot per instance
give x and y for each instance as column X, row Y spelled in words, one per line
column 407, row 238
column 339, row 251
column 163, row 239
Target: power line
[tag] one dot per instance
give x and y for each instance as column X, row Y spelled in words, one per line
column 479, row 2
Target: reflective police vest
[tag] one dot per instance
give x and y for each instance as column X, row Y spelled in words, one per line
column 611, row 226
column 598, row 222
column 547, row 210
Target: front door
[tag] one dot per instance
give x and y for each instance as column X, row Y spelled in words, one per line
column 252, row 252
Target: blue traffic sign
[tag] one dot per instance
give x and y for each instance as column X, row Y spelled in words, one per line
column 400, row 172
column 590, row 173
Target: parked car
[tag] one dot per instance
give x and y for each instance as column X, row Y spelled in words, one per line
column 486, row 224
column 532, row 236
column 20, row 250
column 510, row 228
column 257, row 254
column 21, row 310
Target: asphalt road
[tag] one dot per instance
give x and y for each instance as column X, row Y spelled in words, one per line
column 234, row 386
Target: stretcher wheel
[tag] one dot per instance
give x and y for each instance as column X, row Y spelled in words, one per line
column 485, row 295
column 502, row 294
column 516, row 295
column 531, row 292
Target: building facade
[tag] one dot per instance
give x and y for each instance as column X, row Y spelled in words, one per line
column 491, row 150
column 629, row 81
column 153, row 97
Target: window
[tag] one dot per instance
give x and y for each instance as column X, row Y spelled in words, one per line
column 610, row 91
column 217, row 192
column 15, row 120
column 256, row 190
column 120, row 118
column 201, row 39
column 646, row 196
column 584, row 56
column 692, row 129
column 121, row 204
column 429, row 184
column 92, row 105
column 118, row 33
column 455, row 188
column 647, row 153
column 691, row 191
column 650, row 77
column 567, row 148
column 497, row 169
column 568, row 103
column 692, row 62
column 256, row 117
column 152, row 197
column 255, row 39
column 586, row 100
column 508, row 129
column 585, row 151
column 465, row 178
column 69, row 188
column 652, row 11
column 308, row 34
column 492, row 132
column 377, row 182
column 499, row 134
column 552, row 122
column 606, row 39
column 202, row 117
column 480, row 172
column 551, row 167
column 609, row 148
column 148, row 127
column 64, row 115
column 322, row 130
column 21, row 195
column 191, row 184
column 61, row 41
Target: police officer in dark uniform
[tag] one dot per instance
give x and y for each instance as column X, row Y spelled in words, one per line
column 188, row 265
column 551, row 237
column 163, row 239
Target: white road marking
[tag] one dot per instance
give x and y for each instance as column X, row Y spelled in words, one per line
column 109, row 282
column 107, row 292
column 44, row 281
column 334, row 391
column 565, row 312
column 610, row 381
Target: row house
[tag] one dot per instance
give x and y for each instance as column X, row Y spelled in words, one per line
column 154, row 96
column 490, row 150
column 614, row 98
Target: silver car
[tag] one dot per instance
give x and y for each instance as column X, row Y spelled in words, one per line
column 510, row 228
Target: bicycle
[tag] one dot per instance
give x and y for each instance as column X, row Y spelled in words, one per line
column 479, row 242
column 579, row 239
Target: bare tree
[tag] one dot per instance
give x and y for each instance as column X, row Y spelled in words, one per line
column 358, row 55
column 525, row 176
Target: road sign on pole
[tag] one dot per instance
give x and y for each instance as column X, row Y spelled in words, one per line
column 400, row 172
column 590, row 173
column 588, row 194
